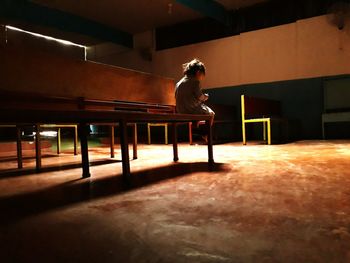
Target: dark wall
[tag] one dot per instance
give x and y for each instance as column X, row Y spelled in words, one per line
column 301, row 100
column 263, row 15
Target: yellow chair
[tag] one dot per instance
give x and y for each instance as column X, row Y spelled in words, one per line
column 165, row 125
column 252, row 108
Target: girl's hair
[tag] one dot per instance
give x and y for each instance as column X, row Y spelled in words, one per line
column 190, row 69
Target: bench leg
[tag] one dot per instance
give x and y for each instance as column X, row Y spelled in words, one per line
column 174, row 133
column 124, row 149
column 134, row 144
column 243, row 133
column 166, row 133
column 190, row 133
column 84, row 149
column 58, row 140
column 112, row 140
column 75, row 140
column 19, row 148
column 149, row 133
column 37, row 148
column 264, row 130
column 210, row 142
column 269, row 132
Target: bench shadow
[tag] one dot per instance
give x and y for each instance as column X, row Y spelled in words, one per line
column 14, row 158
column 20, row 206
column 51, row 168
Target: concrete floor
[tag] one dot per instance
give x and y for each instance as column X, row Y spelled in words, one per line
column 281, row 203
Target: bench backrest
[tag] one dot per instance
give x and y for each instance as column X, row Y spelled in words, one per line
column 27, row 70
column 28, row 100
column 253, row 107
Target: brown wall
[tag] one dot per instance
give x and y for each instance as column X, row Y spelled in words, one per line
column 30, row 70
column 306, row 49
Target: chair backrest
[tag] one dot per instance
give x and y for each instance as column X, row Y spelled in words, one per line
column 253, row 107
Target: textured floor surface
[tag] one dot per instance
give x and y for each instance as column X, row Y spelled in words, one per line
column 281, row 203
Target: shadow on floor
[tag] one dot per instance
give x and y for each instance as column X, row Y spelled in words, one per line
column 19, row 206
column 51, row 168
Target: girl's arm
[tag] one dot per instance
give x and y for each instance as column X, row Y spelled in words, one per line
column 198, row 93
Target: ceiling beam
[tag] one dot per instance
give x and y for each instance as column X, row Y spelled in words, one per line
column 209, row 8
column 23, row 10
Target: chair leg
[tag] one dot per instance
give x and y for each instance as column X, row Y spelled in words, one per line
column 264, row 130
column 243, row 133
column 149, row 133
column 166, row 133
column 269, row 132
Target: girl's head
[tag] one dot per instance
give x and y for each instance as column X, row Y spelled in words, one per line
column 195, row 69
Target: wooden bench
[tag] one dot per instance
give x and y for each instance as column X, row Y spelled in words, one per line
column 82, row 87
column 23, row 116
column 260, row 110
